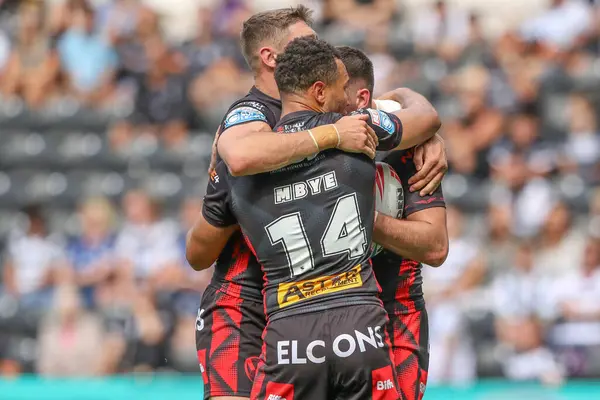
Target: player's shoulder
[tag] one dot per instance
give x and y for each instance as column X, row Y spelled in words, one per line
column 318, row 119
column 254, row 107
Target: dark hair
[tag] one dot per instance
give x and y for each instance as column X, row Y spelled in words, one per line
column 306, row 60
column 270, row 25
column 358, row 65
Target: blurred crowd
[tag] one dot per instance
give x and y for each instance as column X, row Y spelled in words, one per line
column 518, row 89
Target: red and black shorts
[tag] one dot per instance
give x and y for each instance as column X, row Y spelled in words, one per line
column 409, row 334
column 339, row 353
column 228, row 340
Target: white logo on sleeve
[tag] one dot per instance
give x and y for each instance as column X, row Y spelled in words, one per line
column 243, row 114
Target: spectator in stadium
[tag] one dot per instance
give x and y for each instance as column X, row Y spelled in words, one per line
column 594, row 214
column 440, row 27
column 34, row 264
column 69, row 338
column 581, row 151
column 452, row 358
column 531, row 198
column 479, row 126
column 216, row 72
column 500, row 245
column 88, row 59
column 562, row 25
column 91, row 254
column 31, row 71
column 134, row 328
column 162, row 109
column 117, row 19
column 361, row 15
column 146, row 244
column 576, row 298
column 133, row 61
column 521, row 304
column 561, row 246
column 523, row 138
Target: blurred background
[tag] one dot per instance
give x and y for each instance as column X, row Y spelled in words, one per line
column 107, row 115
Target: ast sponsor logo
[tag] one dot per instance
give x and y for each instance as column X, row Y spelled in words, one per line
column 293, row 292
column 343, row 346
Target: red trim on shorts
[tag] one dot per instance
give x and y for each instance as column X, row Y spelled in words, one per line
column 407, row 268
column 227, row 311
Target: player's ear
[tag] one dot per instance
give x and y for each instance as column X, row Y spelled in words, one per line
column 318, row 89
column 363, row 97
column 268, row 56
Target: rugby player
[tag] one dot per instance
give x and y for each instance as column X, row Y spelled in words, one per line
column 421, row 236
column 231, row 317
column 310, row 226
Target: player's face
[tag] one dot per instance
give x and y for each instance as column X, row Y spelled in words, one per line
column 358, row 95
column 336, row 99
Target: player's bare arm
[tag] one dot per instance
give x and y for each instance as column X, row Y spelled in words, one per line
column 420, row 120
column 254, row 148
column 422, row 236
column 204, row 243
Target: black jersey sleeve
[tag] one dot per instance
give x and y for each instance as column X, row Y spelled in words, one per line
column 217, row 201
column 387, row 127
column 403, row 162
column 245, row 112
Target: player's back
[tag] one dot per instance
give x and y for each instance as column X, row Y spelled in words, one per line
column 236, row 270
column 310, row 225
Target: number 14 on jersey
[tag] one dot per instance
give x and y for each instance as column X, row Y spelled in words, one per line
column 344, row 234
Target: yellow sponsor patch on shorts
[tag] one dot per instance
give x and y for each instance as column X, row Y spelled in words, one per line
column 293, row 292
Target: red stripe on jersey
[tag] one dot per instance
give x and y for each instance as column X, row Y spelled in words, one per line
column 241, row 255
column 379, row 177
column 226, row 342
column 262, row 268
column 408, row 277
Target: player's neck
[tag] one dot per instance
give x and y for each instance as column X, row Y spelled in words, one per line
column 265, row 82
column 292, row 103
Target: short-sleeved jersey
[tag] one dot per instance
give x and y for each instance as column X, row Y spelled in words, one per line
column 400, row 278
column 236, row 271
column 310, row 223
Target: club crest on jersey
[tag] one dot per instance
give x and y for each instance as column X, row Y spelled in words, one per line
column 243, row 114
column 382, row 120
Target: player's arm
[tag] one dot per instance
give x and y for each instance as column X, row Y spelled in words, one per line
column 420, row 119
column 205, row 242
column 214, row 226
column 422, row 236
column 251, row 147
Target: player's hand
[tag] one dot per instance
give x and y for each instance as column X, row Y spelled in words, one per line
column 356, row 136
column 431, row 163
column 213, row 154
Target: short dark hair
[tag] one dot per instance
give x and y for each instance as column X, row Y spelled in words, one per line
column 358, row 65
column 272, row 25
column 306, row 60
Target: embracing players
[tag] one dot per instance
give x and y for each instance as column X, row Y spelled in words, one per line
column 420, row 236
column 231, row 317
column 310, row 226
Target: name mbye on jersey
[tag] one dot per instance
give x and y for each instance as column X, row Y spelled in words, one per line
column 300, row 190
